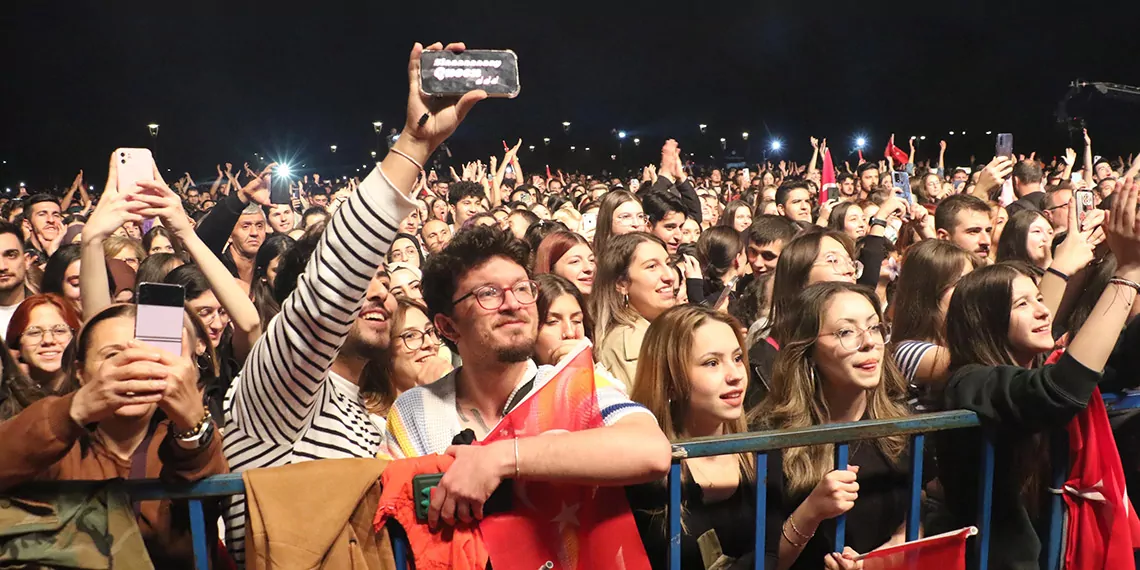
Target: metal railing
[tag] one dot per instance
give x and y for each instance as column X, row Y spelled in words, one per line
column 757, row 443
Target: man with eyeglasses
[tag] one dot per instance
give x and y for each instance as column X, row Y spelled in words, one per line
column 480, row 297
column 1056, row 206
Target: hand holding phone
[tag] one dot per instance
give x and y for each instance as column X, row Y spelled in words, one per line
column 133, row 165
column 452, row 74
column 1084, row 200
column 158, row 320
column 1004, row 145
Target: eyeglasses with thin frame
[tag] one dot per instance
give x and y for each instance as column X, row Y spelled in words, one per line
column 631, row 219
column 35, row 335
column 852, row 338
column 414, row 339
column 840, row 265
column 491, row 297
column 209, row 315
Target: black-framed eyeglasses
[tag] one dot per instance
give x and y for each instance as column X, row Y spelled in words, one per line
column 35, row 335
column 851, row 338
column 414, row 339
column 491, row 297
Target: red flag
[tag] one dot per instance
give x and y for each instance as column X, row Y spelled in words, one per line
column 562, row 526
column 944, row 551
column 896, row 153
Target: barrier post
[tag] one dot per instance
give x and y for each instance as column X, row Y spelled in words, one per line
column 675, row 516
column 985, row 503
column 761, row 508
column 914, row 516
column 841, row 451
column 198, row 535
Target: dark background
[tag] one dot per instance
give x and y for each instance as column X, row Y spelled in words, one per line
column 288, row 78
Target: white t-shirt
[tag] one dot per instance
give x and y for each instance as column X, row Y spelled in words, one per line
column 6, row 313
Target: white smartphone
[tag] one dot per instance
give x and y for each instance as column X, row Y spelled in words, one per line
column 158, row 321
column 134, row 165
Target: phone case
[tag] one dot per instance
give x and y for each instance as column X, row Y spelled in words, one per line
column 442, row 82
column 134, row 165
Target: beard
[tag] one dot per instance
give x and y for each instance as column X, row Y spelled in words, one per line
column 519, row 352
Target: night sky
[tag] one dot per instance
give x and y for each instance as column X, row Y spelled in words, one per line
column 289, row 78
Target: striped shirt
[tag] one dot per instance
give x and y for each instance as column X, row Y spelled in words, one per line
column 286, row 406
column 908, row 356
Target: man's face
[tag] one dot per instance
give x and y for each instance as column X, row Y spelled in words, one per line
column 1057, row 209
column 248, row 234
column 1106, row 187
column 321, row 200
column 193, row 197
column 369, row 331
column 972, row 232
column 281, row 218
column 869, row 180
column 715, row 177
column 506, row 334
column 441, row 189
column 797, row 206
column 411, row 224
column 960, row 176
column 436, row 234
column 467, row 207
column 13, row 266
column 847, row 187
column 46, row 220
column 669, row 230
column 763, row 258
column 1103, row 170
column 555, row 187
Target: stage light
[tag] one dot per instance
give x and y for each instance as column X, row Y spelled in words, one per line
column 283, row 170
column 922, row 138
column 989, row 132
column 777, row 145
column 722, row 139
column 621, row 134
column 531, row 147
column 860, row 142
column 373, row 154
column 566, row 124
column 21, row 185
column 571, row 148
column 587, row 149
column 951, row 133
column 546, row 140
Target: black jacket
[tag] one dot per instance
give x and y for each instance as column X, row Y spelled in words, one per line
column 684, row 191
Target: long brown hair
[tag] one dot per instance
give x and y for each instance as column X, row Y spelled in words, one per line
column 662, row 382
column 794, row 268
column 929, row 269
column 604, row 232
column 376, row 386
column 607, row 306
column 797, row 398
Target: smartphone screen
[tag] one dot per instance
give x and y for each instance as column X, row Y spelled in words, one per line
column 159, row 318
column 279, row 187
column 1084, row 200
column 901, row 181
column 134, row 165
column 447, row 73
column 1004, row 145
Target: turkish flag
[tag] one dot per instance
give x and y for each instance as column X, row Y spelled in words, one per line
column 561, row 526
column 895, row 153
column 944, row 551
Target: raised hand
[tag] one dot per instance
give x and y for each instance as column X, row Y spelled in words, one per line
column 1088, row 140
column 159, row 201
column 257, row 189
column 994, row 175
column 431, row 120
column 942, row 146
column 1123, row 232
column 1070, row 156
column 815, row 143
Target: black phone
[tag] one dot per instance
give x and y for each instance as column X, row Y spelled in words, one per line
column 158, row 320
column 1004, row 145
column 280, row 186
column 500, row 501
column 445, row 73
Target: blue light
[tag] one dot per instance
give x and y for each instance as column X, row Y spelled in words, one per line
column 621, row 134
column 777, row 145
column 860, row 142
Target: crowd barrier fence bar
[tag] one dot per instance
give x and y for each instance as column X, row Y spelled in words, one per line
column 757, row 443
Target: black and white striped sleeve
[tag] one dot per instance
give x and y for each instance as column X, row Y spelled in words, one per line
column 280, row 383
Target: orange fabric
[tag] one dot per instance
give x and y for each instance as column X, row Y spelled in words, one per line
column 458, row 548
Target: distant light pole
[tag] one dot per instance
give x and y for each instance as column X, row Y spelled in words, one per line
column 153, row 129
column 566, row 127
column 378, row 126
column 332, row 148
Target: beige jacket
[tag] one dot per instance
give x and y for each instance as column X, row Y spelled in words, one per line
column 315, row 514
column 619, row 350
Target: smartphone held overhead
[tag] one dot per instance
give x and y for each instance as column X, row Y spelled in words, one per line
column 133, row 165
column 451, row 74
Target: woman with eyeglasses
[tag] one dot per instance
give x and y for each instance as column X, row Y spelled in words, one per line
column 635, row 284
column 414, row 357
column 406, row 249
column 833, row 367
column 620, row 213
column 39, row 333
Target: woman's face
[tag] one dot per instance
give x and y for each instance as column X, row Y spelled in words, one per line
column 404, row 251
column 417, row 332
column 159, row 245
column 690, row 231
column 832, row 263
column 768, row 179
column 501, row 218
column 853, row 223
column 563, row 322
column 110, row 337
column 717, row 378
column 439, row 210
column 133, row 230
column 742, row 219
column 207, row 307
column 1038, row 241
column 1030, row 324
column 650, row 283
column 628, row 218
column 577, row 265
column 404, row 283
column 849, row 351
column 41, row 348
column 71, row 284
column 933, row 186
column 541, row 211
column 128, row 256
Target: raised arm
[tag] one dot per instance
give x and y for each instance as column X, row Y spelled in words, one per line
column 281, row 378
column 162, row 202
column 114, row 209
column 1088, row 173
column 942, row 158
column 75, row 185
column 814, row 155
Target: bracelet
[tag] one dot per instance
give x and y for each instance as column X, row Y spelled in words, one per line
column 792, row 522
column 516, row 458
column 784, row 531
column 196, row 430
column 405, row 155
column 1125, row 282
column 1058, row 274
column 878, row 222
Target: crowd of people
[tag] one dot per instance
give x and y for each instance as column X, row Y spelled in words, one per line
column 386, row 316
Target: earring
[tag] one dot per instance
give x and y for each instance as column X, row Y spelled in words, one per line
column 203, row 363
column 626, row 298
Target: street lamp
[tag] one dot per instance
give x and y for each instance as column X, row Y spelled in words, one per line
column 722, row 143
column 532, row 148
column 546, row 141
column 332, row 148
column 744, row 135
column 636, row 142
column 703, row 127
column 378, row 126
column 153, row 129
column 566, row 126
column 373, row 154
column 621, row 134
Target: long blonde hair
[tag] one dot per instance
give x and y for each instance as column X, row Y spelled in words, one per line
column 662, row 382
column 797, row 399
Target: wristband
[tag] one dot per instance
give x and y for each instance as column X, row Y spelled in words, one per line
column 878, row 222
column 1060, row 274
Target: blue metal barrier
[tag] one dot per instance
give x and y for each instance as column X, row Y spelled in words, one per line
column 757, row 443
